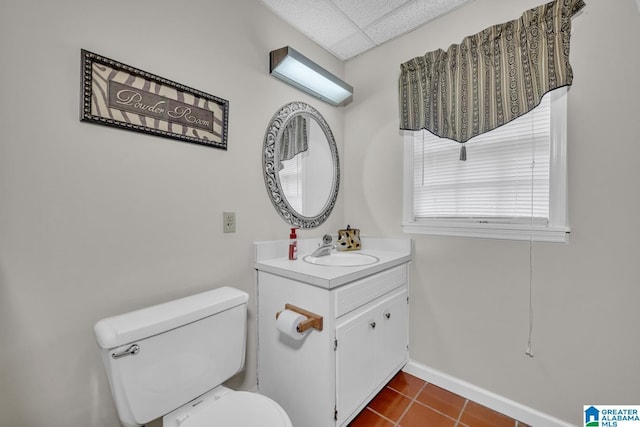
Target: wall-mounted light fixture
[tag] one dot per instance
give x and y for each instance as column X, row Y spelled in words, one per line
column 294, row 68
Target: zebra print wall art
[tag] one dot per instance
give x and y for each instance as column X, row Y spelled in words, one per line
column 118, row 95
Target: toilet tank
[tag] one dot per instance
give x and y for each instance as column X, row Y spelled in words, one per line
column 178, row 350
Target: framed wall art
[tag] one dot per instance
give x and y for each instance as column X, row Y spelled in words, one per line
column 118, row 95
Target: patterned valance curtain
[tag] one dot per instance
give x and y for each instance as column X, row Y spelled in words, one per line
column 492, row 77
column 295, row 138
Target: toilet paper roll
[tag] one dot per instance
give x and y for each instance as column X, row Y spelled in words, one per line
column 288, row 322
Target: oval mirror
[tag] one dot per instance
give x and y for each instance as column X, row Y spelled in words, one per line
column 300, row 164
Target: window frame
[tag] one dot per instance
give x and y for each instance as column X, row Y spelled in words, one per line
column 555, row 231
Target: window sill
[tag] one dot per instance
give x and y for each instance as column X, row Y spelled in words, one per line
column 489, row 231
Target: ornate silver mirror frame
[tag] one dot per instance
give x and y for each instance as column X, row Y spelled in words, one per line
column 271, row 165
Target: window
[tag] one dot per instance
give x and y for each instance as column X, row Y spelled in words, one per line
column 292, row 181
column 513, row 185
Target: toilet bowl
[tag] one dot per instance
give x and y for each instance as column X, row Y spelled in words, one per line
column 170, row 360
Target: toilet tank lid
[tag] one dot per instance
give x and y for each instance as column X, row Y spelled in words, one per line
column 128, row 327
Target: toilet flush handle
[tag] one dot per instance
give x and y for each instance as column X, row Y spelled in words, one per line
column 131, row 351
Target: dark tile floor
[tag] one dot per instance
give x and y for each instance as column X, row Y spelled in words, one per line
column 407, row 401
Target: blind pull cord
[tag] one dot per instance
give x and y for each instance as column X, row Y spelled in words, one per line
column 529, row 351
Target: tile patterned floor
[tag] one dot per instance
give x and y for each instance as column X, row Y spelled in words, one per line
column 407, row 401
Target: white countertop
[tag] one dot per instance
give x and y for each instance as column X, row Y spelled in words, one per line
column 269, row 258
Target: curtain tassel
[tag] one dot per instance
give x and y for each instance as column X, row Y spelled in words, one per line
column 463, row 153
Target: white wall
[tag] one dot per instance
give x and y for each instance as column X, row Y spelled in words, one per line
column 469, row 298
column 96, row 221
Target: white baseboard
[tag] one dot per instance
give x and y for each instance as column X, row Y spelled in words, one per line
column 491, row 400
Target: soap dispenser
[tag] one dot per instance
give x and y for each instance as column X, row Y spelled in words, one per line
column 293, row 245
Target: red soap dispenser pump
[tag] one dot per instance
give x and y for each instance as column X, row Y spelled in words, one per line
column 293, row 245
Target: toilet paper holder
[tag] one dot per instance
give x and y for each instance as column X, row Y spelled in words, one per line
column 313, row 320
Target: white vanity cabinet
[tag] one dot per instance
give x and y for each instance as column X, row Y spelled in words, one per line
column 328, row 377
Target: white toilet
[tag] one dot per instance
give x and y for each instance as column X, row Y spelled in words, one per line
column 170, row 359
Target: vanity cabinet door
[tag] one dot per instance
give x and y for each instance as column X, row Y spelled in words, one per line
column 393, row 335
column 371, row 347
column 356, row 361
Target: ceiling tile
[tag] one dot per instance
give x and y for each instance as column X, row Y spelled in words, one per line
column 364, row 12
column 409, row 17
column 320, row 20
column 351, row 46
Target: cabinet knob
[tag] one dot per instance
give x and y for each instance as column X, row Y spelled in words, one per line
column 387, row 315
column 373, row 325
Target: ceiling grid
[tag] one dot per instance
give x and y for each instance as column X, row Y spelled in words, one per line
column 347, row 28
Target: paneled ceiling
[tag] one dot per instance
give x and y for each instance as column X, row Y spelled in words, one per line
column 347, row 28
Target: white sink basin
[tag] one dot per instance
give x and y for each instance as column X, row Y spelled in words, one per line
column 342, row 259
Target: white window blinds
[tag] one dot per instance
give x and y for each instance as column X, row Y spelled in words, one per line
column 505, row 178
column 292, row 181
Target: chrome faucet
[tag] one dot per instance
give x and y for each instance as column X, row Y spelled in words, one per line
column 326, row 247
